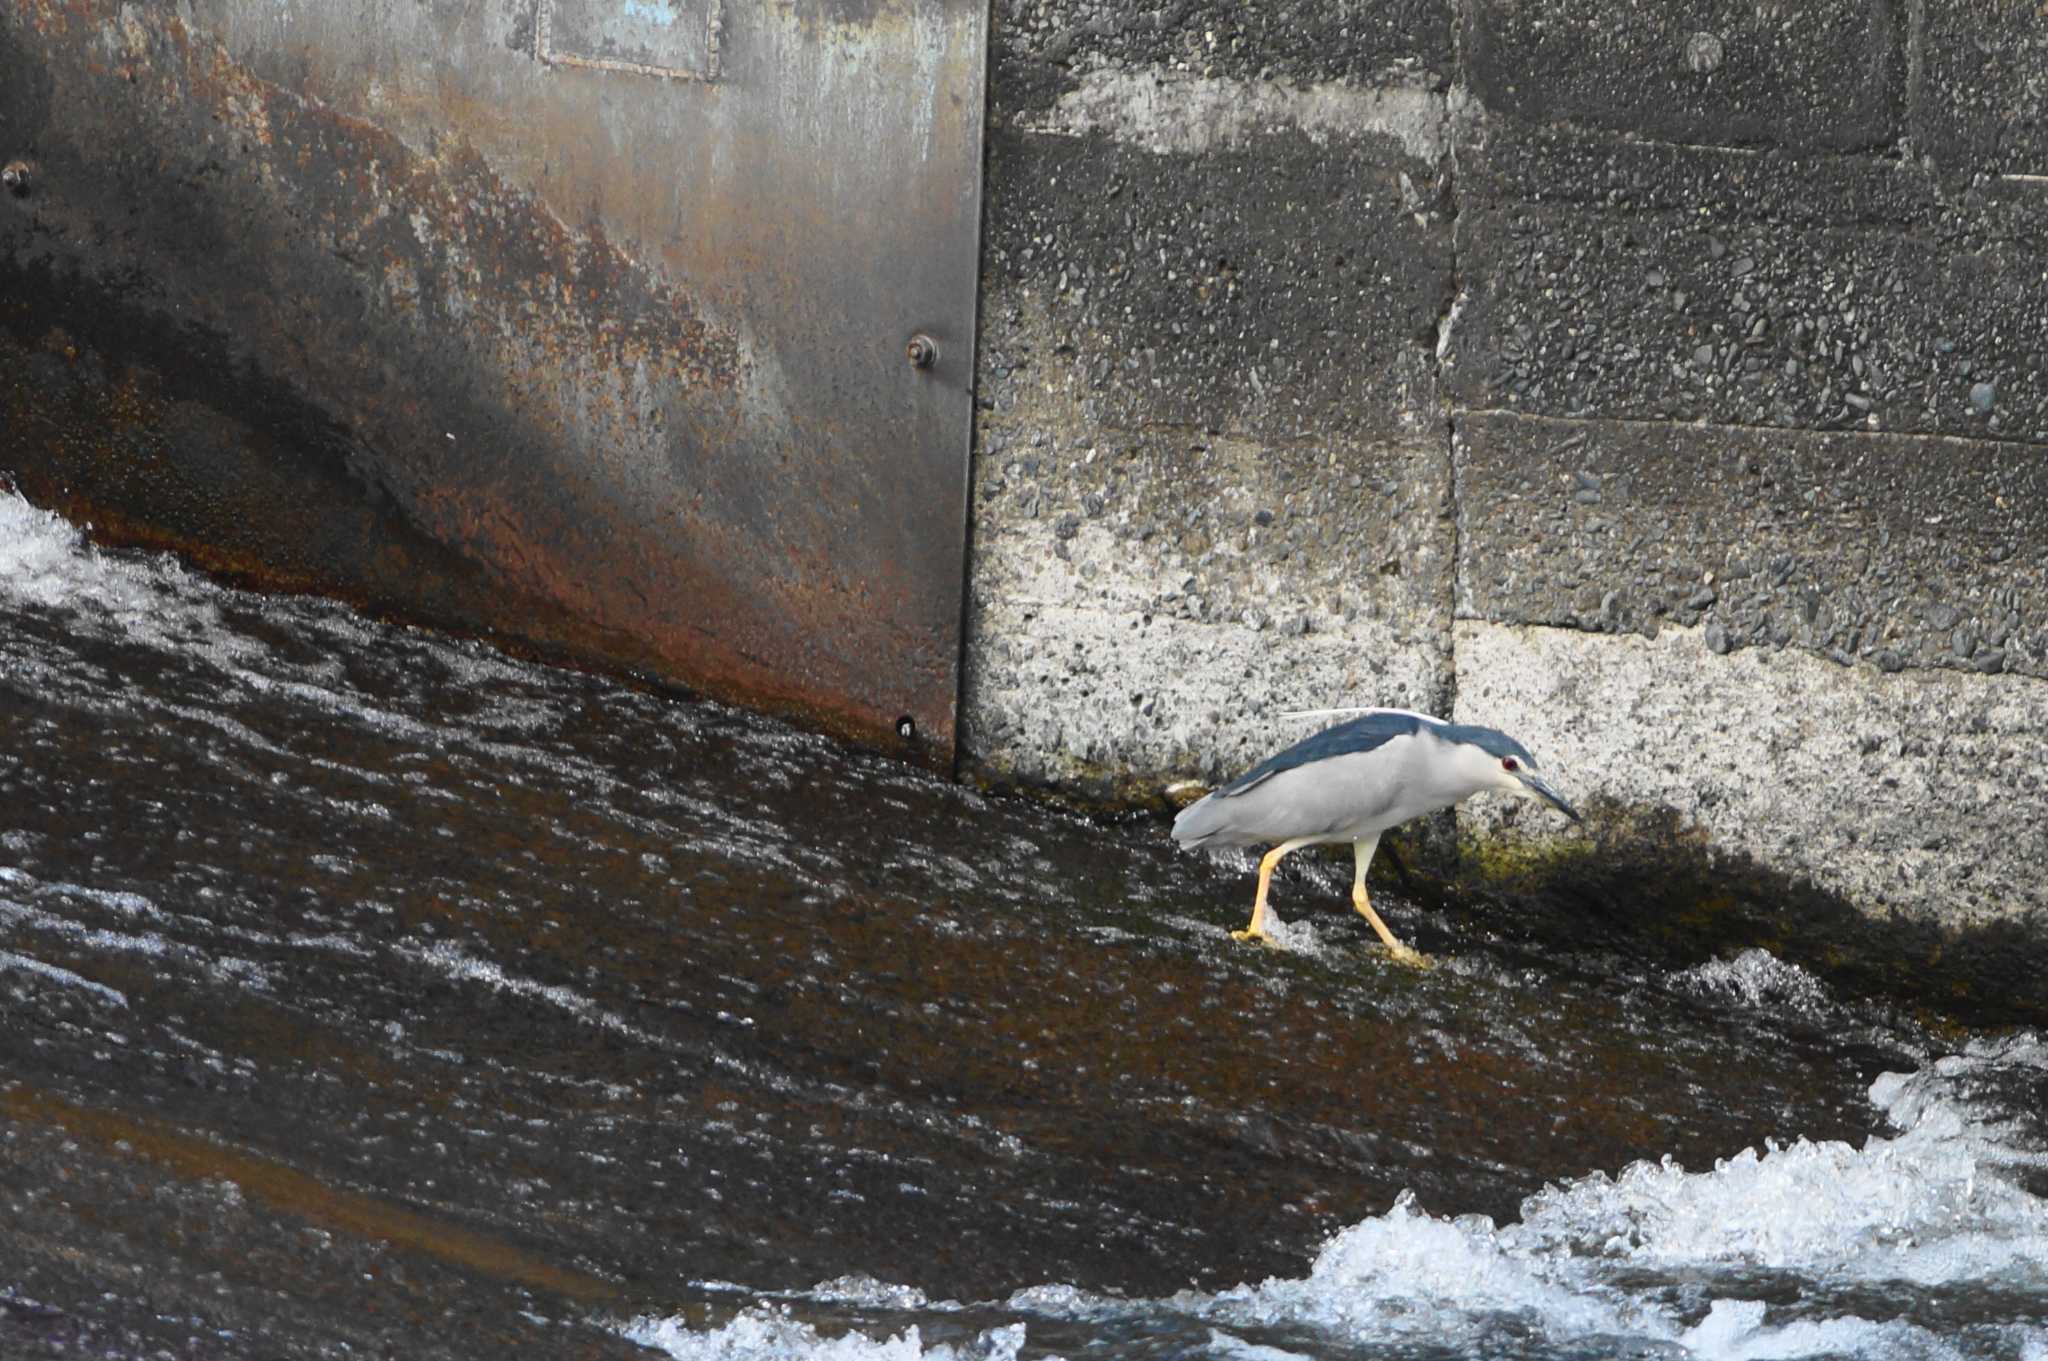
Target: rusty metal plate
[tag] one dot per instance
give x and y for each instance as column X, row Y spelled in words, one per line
column 451, row 309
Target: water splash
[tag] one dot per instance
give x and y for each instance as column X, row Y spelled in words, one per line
column 1758, row 978
column 235, row 818
column 769, row 1333
column 1809, row 1249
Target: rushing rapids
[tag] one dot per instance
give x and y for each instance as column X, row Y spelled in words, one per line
column 368, row 991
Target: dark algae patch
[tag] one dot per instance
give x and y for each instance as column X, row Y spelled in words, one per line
column 1644, row 886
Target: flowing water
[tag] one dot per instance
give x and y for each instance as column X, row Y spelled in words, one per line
column 367, row 992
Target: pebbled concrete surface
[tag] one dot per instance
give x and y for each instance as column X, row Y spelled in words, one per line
column 1893, row 550
column 1983, row 77
column 1210, row 477
column 1148, row 603
column 1914, row 793
column 1606, row 278
column 1820, row 73
column 1283, row 289
column 1166, row 113
column 1038, row 47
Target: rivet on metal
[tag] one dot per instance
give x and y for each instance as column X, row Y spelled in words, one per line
column 922, row 351
column 16, row 178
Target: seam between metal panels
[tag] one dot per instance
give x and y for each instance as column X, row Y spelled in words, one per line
column 966, row 508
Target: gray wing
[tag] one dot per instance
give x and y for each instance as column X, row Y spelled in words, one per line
column 1339, row 797
column 1373, row 728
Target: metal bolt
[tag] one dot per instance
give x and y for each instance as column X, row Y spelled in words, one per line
column 1703, row 51
column 922, row 351
column 16, row 177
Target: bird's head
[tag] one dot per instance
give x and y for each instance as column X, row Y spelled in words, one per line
column 1493, row 760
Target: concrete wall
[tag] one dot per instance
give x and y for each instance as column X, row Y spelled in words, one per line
column 1666, row 384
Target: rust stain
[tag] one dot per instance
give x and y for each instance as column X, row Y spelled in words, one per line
column 287, row 1190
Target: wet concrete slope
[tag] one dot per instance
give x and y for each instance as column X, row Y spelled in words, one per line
column 364, row 989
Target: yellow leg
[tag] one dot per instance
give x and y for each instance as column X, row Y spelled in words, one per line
column 1257, row 930
column 1362, row 852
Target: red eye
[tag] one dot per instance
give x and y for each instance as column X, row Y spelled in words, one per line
column 1509, row 763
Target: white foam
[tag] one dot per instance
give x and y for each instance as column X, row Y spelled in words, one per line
column 25, row 964
column 1934, row 1206
column 39, row 553
column 1652, row 1260
column 1298, row 937
column 45, row 562
column 770, row 1333
column 450, row 960
column 62, row 919
column 1738, row 1330
column 1407, row 1274
column 20, row 915
column 869, row 1293
column 1924, row 1207
column 152, row 600
column 1231, row 1348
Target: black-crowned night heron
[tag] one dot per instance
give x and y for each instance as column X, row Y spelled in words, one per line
column 1352, row 782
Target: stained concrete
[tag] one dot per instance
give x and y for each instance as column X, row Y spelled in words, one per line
column 1039, row 47
column 1148, row 602
column 1688, row 419
column 1824, row 73
column 1166, row 113
column 1210, row 479
column 1897, row 551
column 1656, row 283
column 1284, row 289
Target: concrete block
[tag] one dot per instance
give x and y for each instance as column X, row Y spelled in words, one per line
column 1211, row 480
column 1503, row 164
column 1885, row 550
column 1286, row 288
column 1039, row 48
column 1818, row 73
column 1677, row 283
column 1144, row 604
column 1981, row 106
column 1765, row 754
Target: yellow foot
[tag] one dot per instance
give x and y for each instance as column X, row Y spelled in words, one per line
column 1248, row 934
column 1414, row 959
